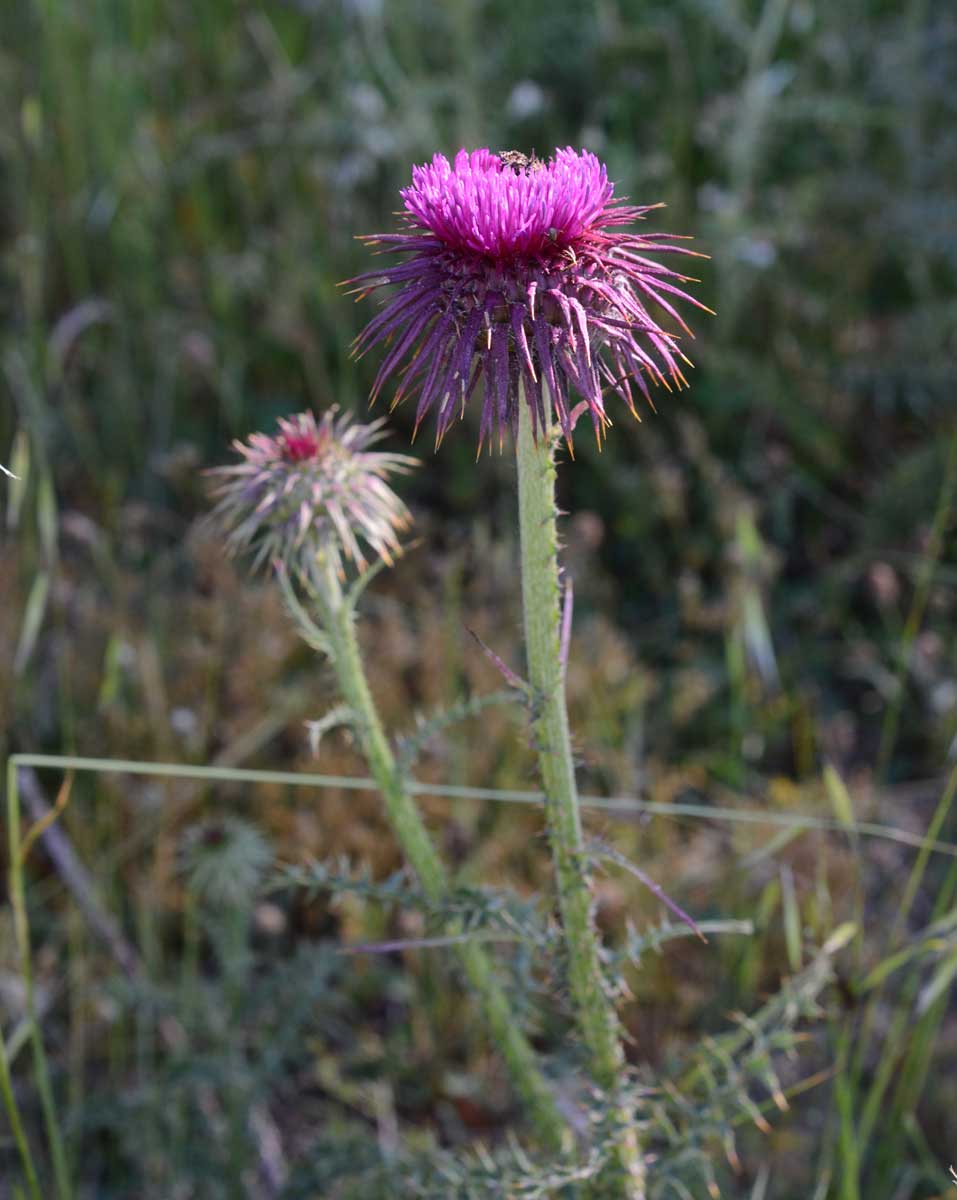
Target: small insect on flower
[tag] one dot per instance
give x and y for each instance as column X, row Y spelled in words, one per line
column 514, row 276
column 520, row 162
column 311, row 494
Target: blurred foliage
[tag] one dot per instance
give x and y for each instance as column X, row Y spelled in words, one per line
column 766, row 571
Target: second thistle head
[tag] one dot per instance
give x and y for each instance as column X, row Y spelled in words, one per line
column 312, row 494
column 516, row 275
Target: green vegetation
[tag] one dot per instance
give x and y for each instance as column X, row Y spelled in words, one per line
column 764, row 666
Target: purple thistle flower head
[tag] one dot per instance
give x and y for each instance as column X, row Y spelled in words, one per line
column 514, row 271
column 312, row 493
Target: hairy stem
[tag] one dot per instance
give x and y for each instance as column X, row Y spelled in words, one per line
column 540, row 601
column 417, row 845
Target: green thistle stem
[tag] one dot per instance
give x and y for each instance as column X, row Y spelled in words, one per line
column 339, row 627
column 540, row 601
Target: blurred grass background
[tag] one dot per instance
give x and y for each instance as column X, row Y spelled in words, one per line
column 766, row 572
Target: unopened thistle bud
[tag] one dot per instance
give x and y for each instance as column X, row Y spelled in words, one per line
column 312, row 494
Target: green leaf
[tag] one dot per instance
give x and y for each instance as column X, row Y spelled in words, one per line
column 840, row 938
column 792, row 918
column 840, row 798
column 887, row 967
column 19, row 473
column 47, row 517
column 32, row 621
column 940, row 981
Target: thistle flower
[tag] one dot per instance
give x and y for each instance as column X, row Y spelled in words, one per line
column 514, row 273
column 311, row 493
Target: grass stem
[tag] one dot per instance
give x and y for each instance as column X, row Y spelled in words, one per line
column 21, row 924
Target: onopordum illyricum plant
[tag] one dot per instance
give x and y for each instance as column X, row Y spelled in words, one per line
column 314, row 500
column 519, row 285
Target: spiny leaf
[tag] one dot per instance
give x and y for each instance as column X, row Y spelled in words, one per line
column 411, row 745
column 342, row 714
